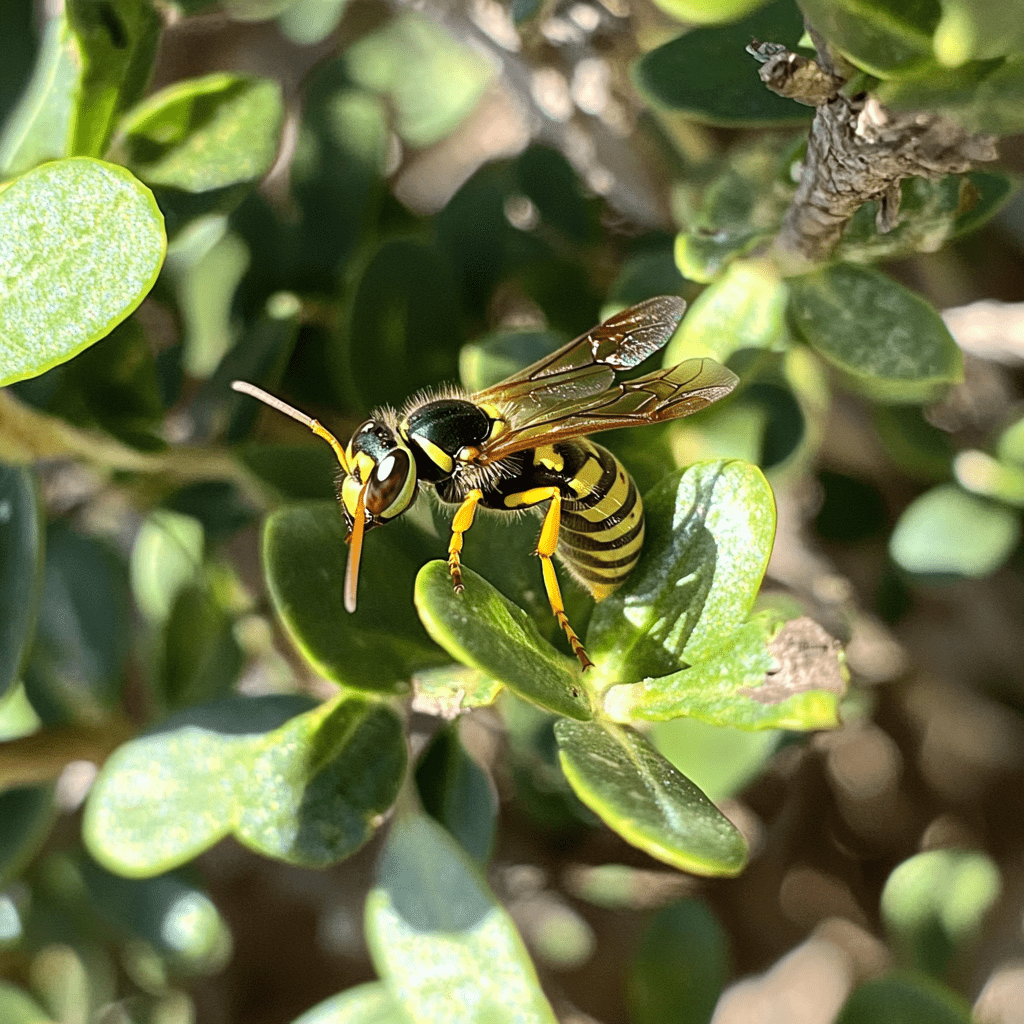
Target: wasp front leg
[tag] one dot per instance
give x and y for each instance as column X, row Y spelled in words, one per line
column 460, row 524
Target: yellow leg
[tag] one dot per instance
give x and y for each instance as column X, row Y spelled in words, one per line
column 460, row 524
column 546, row 544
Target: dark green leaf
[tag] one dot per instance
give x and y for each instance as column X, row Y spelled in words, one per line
column 982, row 96
column 888, row 38
column 76, row 668
column 709, row 535
column 458, row 793
column 483, row 629
column 977, row 29
column 904, row 999
column 405, row 317
column 708, row 75
column 81, row 243
column 624, row 780
column 441, row 942
column 19, row 47
column 118, row 43
column 382, row 643
column 27, row 816
column 309, row 791
column 205, row 133
column 887, row 339
column 21, row 569
column 680, row 966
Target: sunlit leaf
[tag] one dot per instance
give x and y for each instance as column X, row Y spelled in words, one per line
column 81, row 243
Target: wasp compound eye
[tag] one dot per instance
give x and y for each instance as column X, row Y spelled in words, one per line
column 388, row 484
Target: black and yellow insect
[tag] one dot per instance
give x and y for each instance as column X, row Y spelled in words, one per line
column 520, row 445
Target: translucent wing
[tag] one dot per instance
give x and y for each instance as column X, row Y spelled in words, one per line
column 587, row 366
column 658, row 396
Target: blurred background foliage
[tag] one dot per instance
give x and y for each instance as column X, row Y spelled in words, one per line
column 364, row 198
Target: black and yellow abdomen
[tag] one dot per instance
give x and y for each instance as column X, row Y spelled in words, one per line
column 602, row 514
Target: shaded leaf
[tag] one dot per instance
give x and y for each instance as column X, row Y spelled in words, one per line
column 205, row 133
column 307, row 789
column 81, row 242
column 904, row 999
column 652, row 805
column 887, row 339
column 708, row 75
column 381, row 644
column 441, row 942
column 679, row 967
column 369, row 1003
column 21, row 569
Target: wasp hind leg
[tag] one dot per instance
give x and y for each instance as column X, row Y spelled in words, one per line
column 460, row 524
column 546, row 544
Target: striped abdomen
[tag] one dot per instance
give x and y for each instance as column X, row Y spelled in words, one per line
column 602, row 528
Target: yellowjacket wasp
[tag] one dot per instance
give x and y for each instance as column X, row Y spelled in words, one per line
column 520, row 444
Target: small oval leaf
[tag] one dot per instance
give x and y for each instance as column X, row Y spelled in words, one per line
column 651, row 804
column 887, row 339
column 81, row 243
column 484, row 630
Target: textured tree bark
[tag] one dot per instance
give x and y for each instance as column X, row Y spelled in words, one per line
column 857, row 151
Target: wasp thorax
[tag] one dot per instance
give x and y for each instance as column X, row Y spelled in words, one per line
column 445, row 433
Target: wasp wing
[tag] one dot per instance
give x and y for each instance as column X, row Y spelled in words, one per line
column 587, row 366
column 658, row 396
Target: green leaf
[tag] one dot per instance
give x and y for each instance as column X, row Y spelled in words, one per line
column 904, row 999
column 679, row 967
column 709, row 535
column 382, row 643
column 439, row 939
column 981, row 96
column 652, row 805
column 977, row 29
column 708, row 75
column 707, row 12
column 935, row 902
column 766, row 675
column 17, row 1007
column 720, row 759
column 118, row 44
column 483, row 629
column 27, row 816
column 177, row 919
column 457, row 793
column 76, row 667
column 888, row 340
column 309, row 21
column 887, row 38
column 444, row 692
column 81, row 243
column 369, row 1003
column 406, row 316
column 703, row 255
column 746, row 308
column 985, row 534
column 205, row 133
column 21, row 569
column 931, row 212
column 39, row 127
column 167, row 554
column 432, row 81
column 201, row 659
column 309, row 791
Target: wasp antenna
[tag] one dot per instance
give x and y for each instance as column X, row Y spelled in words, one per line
column 307, row 421
column 355, row 551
